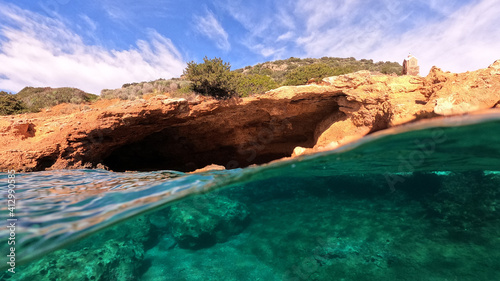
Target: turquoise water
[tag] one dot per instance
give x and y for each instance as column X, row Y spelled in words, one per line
column 420, row 202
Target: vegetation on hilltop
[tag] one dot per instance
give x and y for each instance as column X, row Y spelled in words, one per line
column 31, row 99
column 176, row 87
column 9, row 104
column 293, row 70
column 212, row 77
column 251, row 84
column 37, row 98
column 316, row 71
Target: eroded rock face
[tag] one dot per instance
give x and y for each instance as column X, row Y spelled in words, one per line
column 466, row 92
column 164, row 133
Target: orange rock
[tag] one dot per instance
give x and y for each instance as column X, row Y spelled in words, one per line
column 186, row 135
column 212, row 167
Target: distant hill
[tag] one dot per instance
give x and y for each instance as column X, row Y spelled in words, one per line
column 37, row 98
column 292, row 71
column 32, row 99
column 174, row 86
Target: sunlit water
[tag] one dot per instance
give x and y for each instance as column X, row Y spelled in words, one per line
column 417, row 203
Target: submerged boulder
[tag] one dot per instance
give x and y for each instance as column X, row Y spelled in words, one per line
column 138, row 230
column 115, row 260
column 200, row 222
column 354, row 253
column 466, row 200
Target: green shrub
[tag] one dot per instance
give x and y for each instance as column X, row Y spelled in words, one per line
column 318, row 71
column 254, row 84
column 293, row 59
column 185, row 89
column 9, row 104
column 390, row 68
column 129, row 85
column 213, row 78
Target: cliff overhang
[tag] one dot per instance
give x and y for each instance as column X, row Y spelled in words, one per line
column 164, row 133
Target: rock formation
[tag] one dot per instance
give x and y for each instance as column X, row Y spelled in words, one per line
column 113, row 261
column 202, row 221
column 167, row 133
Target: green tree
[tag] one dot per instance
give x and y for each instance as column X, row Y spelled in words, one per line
column 9, row 104
column 213, row 78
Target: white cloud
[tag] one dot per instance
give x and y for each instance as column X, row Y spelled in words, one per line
column 39, row 51
column 467, row 40
column 128, row 12
column 210, row 27
column 318, row 13
column 456, row 36
column 267, row 51
column 347, row 28
column 268, row 25
column 91, row 25
column 285, row 36
column 252, row 15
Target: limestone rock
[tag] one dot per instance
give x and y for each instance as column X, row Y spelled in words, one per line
column 495, row 68
column 451, row 94
column 118, row 261
column 205, row 220
column 298, row 151
column 185, row 135
column 465, row 200
column 372, row 256
column 208, row 168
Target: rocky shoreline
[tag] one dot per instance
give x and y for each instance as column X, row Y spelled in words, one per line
column 166, row 133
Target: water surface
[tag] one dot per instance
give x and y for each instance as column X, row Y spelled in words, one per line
column 421, row 202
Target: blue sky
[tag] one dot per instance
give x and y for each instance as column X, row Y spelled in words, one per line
column 93, row 45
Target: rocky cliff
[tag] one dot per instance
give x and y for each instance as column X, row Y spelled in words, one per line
column 165, row 133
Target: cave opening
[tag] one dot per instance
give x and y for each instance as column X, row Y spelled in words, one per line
column 167, row 150
column 189, row 146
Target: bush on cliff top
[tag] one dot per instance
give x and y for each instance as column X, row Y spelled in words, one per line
column 247, row 85
column 302, row 74
column 213, row 78
column 9, row 104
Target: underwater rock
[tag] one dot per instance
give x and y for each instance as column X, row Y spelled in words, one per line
column 202, row 221
column 137, row 230
column 118, row 261
column 466, row 200
column 335, row 251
